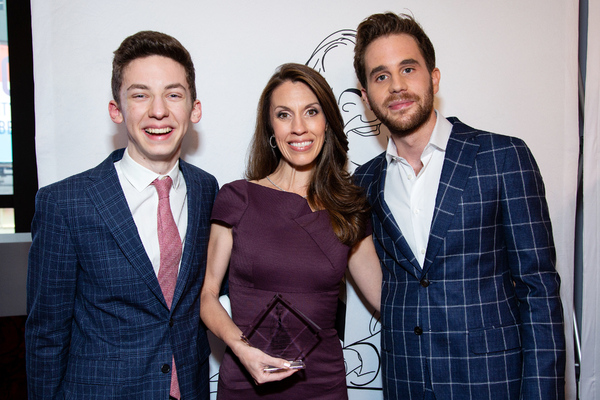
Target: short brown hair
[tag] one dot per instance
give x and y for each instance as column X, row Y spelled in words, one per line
column 378, row 25
column 151, row 43
column 331, row 187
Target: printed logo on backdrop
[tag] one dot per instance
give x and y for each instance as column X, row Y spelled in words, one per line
column 334, row 58
column 367, row 137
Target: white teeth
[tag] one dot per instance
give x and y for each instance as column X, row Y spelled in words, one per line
column 301, row 144
column 158, row 131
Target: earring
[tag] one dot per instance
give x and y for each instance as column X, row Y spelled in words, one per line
column 273, row 145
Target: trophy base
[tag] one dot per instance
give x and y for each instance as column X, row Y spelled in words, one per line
column 298, row 364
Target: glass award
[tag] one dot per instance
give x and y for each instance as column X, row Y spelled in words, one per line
column 281, row 330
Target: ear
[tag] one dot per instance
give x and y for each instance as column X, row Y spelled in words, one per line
column 196, row 112
column 363, row 93
column 115, row 112
column 435, row 80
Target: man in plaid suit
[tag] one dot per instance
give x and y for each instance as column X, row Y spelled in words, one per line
column 470, row 302
column 100, row 325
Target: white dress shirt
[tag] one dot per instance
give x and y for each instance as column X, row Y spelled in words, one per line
column 142, row 199
column 412, row 198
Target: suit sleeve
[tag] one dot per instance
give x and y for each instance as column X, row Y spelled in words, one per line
column 51, row 287
column 532, row 261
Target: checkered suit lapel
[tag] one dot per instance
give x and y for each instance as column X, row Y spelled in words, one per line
column 394, row 242
column 194, row 204
column 107, row 195
column 461, row 152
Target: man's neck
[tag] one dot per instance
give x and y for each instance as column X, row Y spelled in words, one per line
column 160, row 167
column 410, row 145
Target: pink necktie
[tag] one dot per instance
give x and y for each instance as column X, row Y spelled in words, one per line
column 169, row 243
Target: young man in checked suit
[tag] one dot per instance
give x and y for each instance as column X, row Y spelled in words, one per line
column 115, row 273
column 470, row 302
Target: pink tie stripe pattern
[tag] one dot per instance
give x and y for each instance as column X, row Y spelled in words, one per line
column 170, row 254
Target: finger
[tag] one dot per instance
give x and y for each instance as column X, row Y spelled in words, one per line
column 276, row 376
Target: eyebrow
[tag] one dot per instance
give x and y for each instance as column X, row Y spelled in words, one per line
column 144, row 87
column 407, row 61
column 137, row 86
column 316, row 103
column 175, row 86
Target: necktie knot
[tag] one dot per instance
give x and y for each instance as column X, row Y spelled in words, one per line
column 163, row 186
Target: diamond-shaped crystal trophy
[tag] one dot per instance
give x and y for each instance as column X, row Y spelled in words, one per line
column 282, row 331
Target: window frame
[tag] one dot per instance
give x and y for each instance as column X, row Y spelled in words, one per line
column 25, row 179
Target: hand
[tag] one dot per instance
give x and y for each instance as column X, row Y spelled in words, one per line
column 255, row 362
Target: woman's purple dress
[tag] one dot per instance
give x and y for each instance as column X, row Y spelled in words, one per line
column 281, row 246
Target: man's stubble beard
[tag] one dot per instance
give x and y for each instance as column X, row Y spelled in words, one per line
column 404, row 127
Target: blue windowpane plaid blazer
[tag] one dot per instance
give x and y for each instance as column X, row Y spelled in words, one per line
column 98, row 325
column 482, row 317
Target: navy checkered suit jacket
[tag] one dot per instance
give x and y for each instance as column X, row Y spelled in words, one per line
column 482, row 317
column 98, row 324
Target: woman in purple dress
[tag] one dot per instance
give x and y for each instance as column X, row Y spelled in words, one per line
column 292, row 228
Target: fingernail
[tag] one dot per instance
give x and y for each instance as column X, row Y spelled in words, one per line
column 287, row 365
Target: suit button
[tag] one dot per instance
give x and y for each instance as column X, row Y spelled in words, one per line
column 425, row 282
column 165, row 369
column 418, row 331
column 171, row 322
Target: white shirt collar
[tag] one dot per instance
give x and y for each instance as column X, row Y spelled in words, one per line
column 141, row 177
column 438, row 140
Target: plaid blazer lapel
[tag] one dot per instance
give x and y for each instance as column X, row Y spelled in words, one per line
column 461, row 152
column 194, row 205
column 391, row 239
column 107, row 195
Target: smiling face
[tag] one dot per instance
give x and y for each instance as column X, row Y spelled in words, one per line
column 400, row 89
column 298, row 123
column 157, row 108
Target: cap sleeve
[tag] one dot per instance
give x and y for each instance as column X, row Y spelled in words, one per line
column 231, row 203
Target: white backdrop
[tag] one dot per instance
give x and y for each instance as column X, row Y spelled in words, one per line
column 507, row 66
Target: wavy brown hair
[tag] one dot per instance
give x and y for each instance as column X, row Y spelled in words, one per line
column 380, row 25
column 331, row 187
column 146, row 44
